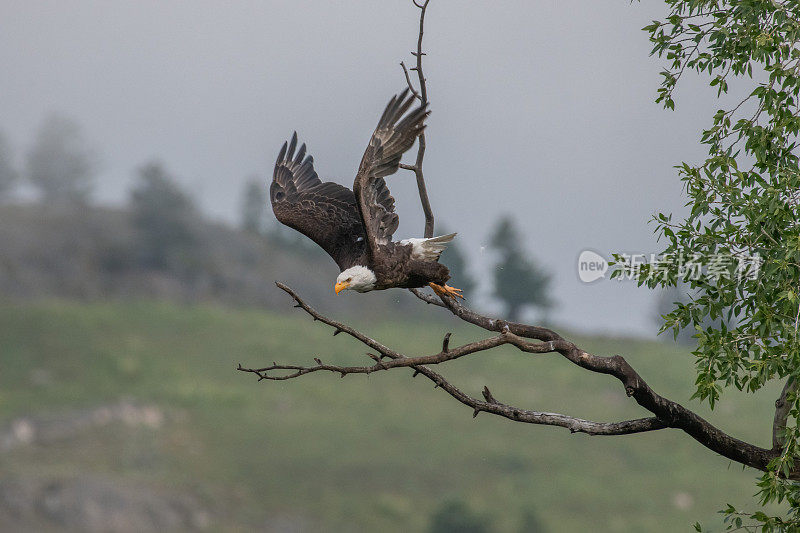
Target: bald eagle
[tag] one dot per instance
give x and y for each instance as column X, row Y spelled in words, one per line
column 355, row 227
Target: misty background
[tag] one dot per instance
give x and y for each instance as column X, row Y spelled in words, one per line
column 543, row 110
column 137, row 255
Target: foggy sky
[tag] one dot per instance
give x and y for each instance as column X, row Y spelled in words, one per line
column 542, row 109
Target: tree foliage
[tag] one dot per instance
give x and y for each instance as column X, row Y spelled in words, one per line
column 518, row 281
column 674, row 295
column 743, row 201
column 59, row 164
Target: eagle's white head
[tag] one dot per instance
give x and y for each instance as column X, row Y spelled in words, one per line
column 357, row 278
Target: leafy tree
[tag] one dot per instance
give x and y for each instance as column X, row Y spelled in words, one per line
column 8, row 174
column 59, row 164
column 165, row 218
column 680, row 294
column 518, row 281
column 254, row 207
column 666, row 299
column 744, row 200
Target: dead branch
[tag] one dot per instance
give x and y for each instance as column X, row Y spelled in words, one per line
column 281, row 372
column 422, row 95
column 671, row 413
column 537, row 340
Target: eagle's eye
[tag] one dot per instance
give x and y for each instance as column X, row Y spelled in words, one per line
column 279, row 195
column 348, row 280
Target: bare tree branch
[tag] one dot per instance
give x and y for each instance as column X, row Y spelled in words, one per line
column 422, row 96
column 427, row 298
column 415, row 93
column 538, row 340
column 671, row 413
column 490, row 405
column 782, row 408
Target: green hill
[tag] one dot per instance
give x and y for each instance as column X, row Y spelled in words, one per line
column 135, row 400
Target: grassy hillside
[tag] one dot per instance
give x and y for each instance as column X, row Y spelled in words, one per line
column 382, row 452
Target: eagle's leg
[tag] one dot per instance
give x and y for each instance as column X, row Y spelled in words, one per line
column 446, row 290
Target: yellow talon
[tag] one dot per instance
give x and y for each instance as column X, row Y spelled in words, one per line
column 446, row 290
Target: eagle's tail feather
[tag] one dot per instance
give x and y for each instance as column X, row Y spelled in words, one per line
column 429, row 249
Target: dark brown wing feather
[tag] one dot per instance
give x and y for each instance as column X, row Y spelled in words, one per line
column 391, row 139
column 325, row 212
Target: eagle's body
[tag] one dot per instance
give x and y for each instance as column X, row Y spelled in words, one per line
column 355, row 227
column 404, row 265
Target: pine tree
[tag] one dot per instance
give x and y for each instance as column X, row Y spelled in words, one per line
column 518, row 281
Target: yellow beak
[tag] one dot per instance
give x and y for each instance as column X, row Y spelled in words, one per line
column 339, row 287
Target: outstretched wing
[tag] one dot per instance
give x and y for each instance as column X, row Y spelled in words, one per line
column 326, row 212
column 391, row 139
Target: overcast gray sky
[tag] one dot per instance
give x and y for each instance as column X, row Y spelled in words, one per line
column 542, row 109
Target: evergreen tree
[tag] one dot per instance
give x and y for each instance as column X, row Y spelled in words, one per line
column 518, row 281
